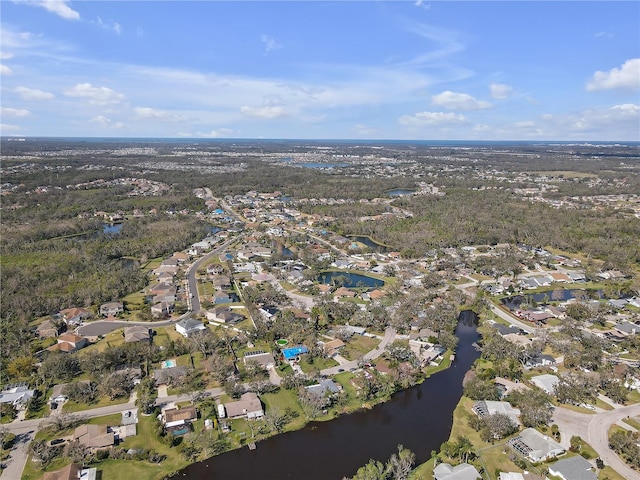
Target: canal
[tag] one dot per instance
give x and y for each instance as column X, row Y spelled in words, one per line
column 419, row 418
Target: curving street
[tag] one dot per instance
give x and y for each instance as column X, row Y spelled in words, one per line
column 594, row 429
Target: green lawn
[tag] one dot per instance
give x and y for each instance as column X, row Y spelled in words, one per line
column 104, row 401
column 357, row 346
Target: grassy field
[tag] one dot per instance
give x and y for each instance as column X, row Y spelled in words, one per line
column 71, row 406
column 357, row 346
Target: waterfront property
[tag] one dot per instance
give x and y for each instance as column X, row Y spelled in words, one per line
column 249, row 406
column 535, row 446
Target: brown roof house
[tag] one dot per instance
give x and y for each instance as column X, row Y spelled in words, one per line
column 94, row 436
column 69, row 343
column 71, row 471
column 74, row 316
column 48, row 329
column 249, row 406
column 175, row 419
column 138, row 333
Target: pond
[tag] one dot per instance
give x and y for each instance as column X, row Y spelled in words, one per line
column 400, row 192
column 557, row 295
column 112, row 228
column 419, row 418
column 350, row 280
column 369, row 242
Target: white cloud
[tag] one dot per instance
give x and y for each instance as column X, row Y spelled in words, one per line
column 603, row 34
column 266, row 112
column 269, row 43
column 115, row 26
column 219, row 133
column 59, row 7
column 360, row 129
column 458, row 101
column 5, row 55
column 95, row 95
column 5, row 127
column 421, row 119
column 153, row 113
column 14, row 112
column 421, row 4
column 4, row 70
column 625, row 77
column 500, row 91
column 106, row 122
column 33, row 94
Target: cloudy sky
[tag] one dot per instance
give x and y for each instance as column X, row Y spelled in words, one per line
column 440, row 70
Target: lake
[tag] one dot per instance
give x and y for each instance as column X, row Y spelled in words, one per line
column 557, row 295
column 351, row 280
column 369, row 242
column 419, row 418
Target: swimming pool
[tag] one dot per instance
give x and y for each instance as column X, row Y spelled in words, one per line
column 293, row 352
column 168, row 363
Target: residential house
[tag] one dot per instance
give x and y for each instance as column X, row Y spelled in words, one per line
column 74, row 316
column 343, row 292
column 546, row 382
column 161, row 309
column 539, row 360
column 48, row 329
column 326, row 387
column 264, row 359
column 137, row 333
column 17, row 395
column 573, row 468
column 70, row 472
column 111, row 308
column 332, row 348
column 485, row 408
column 94, row 436
column 189, row 326
column 627, row 328
column 464, row 471
column 69, row 343
column 535, row 446
column 221, row 297
column 175, row 419
column 223, row 315
column 164, row 376
column 57, row 393
column 221, row 282
column 249, row 406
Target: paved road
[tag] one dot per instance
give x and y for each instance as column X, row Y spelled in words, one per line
column 594, row 429
column 389, row 335
column 193, row 269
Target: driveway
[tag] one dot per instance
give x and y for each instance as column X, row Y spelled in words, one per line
column 15, row 464
column 389, row 335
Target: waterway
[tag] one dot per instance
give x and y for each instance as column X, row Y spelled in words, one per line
column 419, row 418
column 113, row 228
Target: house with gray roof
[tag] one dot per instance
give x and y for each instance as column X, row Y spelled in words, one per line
column 485, row 408
column 535, row 446
column 17, row 395
column 546, row 382
column 627, row 328
column 573, row 468
column 189, row 326
column 321, row 389
column 464, row 471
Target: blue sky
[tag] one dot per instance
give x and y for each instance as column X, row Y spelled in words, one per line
column 443, row 70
